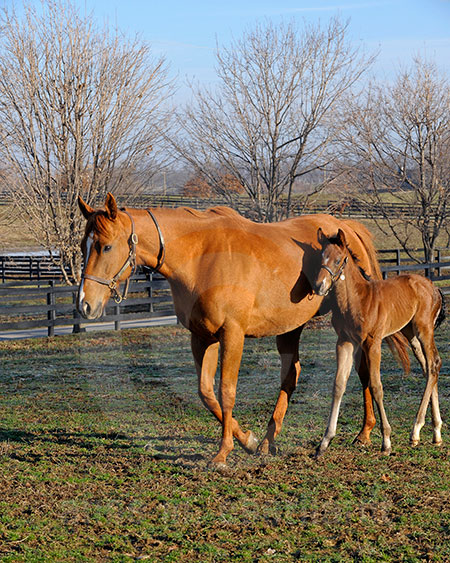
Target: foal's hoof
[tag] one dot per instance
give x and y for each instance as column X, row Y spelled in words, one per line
column 413, row 443
column 318, row 453
column 252, row 443
column 386, row 451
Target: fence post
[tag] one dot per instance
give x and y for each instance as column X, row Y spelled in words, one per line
column 397, row 259
column 117, row 313
column 51, row 313
column 150, row 291
column 76, row 315
column 439, row 256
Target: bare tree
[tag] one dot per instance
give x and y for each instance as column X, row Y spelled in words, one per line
column 399, row 139
column 80, row 113
column 270, row 120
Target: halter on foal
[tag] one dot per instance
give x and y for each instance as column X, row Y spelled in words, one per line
column 364, row 312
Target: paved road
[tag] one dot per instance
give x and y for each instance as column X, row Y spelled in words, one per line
column 42, row 332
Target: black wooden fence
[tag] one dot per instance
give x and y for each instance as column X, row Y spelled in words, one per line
column 41, row 302
column 25, row 306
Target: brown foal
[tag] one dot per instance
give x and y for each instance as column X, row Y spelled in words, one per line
column 365, row 311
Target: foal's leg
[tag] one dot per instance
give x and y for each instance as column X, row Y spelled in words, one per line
column 344, row 357
column 287, row 345
column 372, row 349
column 369, row 416
column 425, row 350
column 206, row 356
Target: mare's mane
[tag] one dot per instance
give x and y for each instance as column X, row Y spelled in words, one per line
column 99, row 223
column 213, row 211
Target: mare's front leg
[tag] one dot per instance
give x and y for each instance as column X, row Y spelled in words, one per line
column 344, row 357
column 231, row 346
column 287, row 345
column 372, row 350
column 369, row 416
column 206, row 356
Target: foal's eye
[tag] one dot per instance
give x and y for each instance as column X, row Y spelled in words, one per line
column 336, row 262
column 107, row 248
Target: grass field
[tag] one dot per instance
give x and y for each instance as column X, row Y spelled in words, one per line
column 77, row 483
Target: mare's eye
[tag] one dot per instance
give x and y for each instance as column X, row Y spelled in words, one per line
column 107, row 248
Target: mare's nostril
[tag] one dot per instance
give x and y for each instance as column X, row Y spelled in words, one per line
column 86, row 309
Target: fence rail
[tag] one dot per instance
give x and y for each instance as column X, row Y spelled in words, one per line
column 348, row 207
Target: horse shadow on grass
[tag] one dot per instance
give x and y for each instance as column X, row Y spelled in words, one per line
column 176, row 449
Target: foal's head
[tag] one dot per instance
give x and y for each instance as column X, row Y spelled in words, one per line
column 333, row 259
column 105, row 247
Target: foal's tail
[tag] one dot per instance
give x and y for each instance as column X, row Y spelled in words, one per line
column 398, row 344
column 442, row 311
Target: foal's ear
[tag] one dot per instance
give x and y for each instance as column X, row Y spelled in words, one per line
column 111, row 206
column 341, row 240
column 85, row 209
column 321, row 238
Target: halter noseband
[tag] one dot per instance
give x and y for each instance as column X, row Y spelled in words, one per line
column 130, row 261
column 334, row 275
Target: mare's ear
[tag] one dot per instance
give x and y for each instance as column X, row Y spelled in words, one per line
column 111, row 206
column 321, row 238
column 85, row 209
column 341, row 240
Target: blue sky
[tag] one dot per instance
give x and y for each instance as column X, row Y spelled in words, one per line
column 186, row 31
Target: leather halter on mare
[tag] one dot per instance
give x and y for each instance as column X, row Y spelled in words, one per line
column 335, row 275
column 130, row 262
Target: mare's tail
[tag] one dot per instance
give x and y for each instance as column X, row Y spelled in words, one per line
column 398, row 344
column 442, row 311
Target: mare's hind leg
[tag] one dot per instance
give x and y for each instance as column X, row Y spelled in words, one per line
column 369, row 416
column 206, row 356
column 344, row 357
column 427, row 355
column 287, row 345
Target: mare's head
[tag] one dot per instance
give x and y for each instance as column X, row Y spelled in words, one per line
column 334, row 255
column 106, row 248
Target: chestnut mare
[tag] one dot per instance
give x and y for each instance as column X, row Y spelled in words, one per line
column 230, row 278
column 364, row 312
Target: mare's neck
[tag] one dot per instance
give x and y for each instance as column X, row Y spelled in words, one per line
column 186, row 233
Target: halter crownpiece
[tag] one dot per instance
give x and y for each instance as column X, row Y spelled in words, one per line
column 130, row 261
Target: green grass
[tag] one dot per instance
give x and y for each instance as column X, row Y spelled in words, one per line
column 77, row 483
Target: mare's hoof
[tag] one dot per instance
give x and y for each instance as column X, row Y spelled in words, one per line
column 220, row 467
column 266, row 448
column 361, row 442
column 252, row 443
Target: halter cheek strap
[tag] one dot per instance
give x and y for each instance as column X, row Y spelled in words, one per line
column 113, row 283
column 335, row 275
column 129, row 262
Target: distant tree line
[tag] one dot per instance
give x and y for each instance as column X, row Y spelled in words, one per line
column 85, row 109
